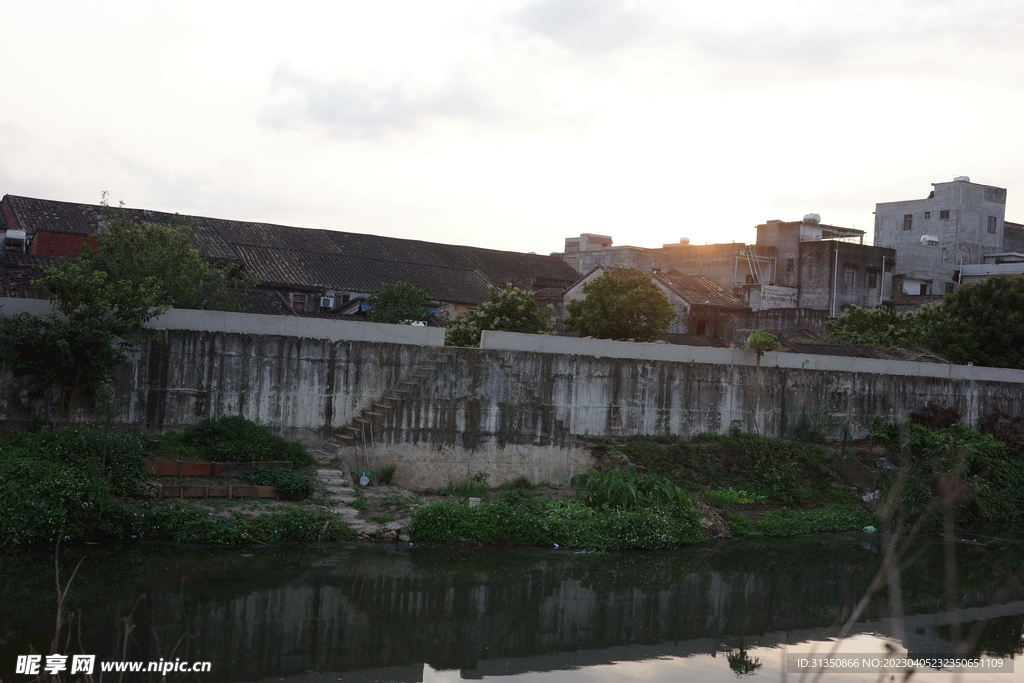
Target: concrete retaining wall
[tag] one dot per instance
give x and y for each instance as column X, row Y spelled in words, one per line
column 515, row 406
column 254, row 323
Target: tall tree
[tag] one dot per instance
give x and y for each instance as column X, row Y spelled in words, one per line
column 132, row 273
column 398, row 303
column 508, row 309
column 986, row 322
column 128, row 251
column 624, row 303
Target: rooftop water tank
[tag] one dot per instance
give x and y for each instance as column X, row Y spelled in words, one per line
column 962, row 179
column 684, row 240
column 929, row 240
column 812, row 218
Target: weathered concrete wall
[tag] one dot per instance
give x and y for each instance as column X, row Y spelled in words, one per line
column 252, row 323
column 787, row 323
column 517, row 405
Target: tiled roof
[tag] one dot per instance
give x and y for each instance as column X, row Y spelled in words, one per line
column 852, row 350
column 696, row 340
column 699, row 290
column 19, row 271
column 328, row 258
column 358, row 273
column 83, row 219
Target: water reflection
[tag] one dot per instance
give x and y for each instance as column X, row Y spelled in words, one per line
column 366, row 613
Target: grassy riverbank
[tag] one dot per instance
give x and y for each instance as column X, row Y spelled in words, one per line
column 646, row 492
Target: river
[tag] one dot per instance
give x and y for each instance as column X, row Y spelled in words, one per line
column 400, row 612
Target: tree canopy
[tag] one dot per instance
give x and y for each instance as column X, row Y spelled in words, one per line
column 508, row 309
column 987, row 322
column 132, row 273
column 981, row 322
column 160, row 255
column 398, row 303
column 624, row 303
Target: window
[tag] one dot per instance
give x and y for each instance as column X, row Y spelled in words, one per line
column 944, row 214
column 991, row 225
column 888, row 267
column 927, row 214
column 924, row 289
column 298, row 302
column 849, row 277
column 908, row 221
column 950, row 286
column 872, row 279
column 789, row 265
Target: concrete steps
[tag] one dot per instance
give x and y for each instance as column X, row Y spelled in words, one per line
column 339, row 494
column 382, row 409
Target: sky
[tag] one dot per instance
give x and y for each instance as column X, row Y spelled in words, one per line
column 512, row 125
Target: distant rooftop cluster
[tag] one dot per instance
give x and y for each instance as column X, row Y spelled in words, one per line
column 791, row 280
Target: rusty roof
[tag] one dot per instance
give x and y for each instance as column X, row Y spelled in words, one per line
column 698, row 290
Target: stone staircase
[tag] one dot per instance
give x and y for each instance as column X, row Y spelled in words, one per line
column 363, row 430
column 339, row 493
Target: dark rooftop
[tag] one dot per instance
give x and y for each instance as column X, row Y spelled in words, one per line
column 18, row 272
column 283, row 255
column 699, row 290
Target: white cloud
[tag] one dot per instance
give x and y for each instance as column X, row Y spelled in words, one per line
column 592, row 26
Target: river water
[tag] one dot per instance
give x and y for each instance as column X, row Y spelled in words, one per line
column 364, row 612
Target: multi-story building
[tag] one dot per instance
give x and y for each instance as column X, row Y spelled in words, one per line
column 803, row 264
column 957, row 224
column 825, row 267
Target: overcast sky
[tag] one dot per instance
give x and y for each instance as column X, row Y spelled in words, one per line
column 513, row 125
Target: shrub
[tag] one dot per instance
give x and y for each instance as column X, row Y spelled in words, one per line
column 981, row 478
column 625, row 489
column 290, row 485
column 570, row 524
column 119, row 455
column 41, row 500
column 58, row 484
column 232, row 438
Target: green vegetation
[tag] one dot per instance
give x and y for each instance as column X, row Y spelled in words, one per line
column 132, row 273
column 170, row 257
column 731, row 496
column 398, row 303
column 84, row 483
column 233, row 438
column 981, row 322
column 624, row 303
column 617, row 510
column 62, row 484
column 475, row 487
column 508, row 309
column 523, row 520
column 785, row 472
column 625, row 489
column 759, row 342
column 187, row 523
column 972, row 475
column 80, row 483
column 786, row 522
column 387, row 473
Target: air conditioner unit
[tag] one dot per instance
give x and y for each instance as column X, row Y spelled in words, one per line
column 327, row 302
